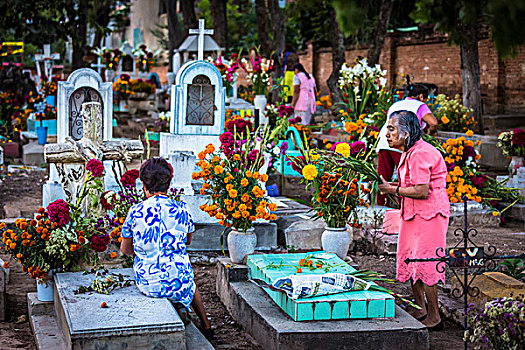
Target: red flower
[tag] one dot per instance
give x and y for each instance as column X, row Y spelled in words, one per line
column 129, row 178
column 298, row 164
column 99, row 243
column 96, row 167
column 58, row 212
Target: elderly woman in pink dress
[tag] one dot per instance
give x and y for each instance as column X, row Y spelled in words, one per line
column 425, row 211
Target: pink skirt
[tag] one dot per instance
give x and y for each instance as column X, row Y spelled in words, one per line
column 419, row 239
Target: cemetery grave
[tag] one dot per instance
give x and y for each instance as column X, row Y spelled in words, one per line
column 271, row 199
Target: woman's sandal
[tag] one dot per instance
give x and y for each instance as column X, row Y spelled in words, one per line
column 207, row 333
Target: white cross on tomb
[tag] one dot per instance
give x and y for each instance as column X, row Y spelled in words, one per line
column 201, row 31
column 98, row 65
column 48, row 59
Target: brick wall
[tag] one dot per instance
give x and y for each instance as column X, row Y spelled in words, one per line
column 431, row 59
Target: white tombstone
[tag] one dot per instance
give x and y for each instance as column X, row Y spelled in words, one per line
column 48, row 59
column 198, row 112
column 126, row 63
column 83, row 85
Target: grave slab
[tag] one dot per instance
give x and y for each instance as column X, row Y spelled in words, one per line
column 131, row 321
column 493, row 285
column 252, row 307
column 349, row 305
column 33, row 154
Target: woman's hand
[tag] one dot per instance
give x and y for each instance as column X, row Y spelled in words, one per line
column 385, row 187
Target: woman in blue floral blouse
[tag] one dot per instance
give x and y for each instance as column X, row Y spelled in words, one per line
column 157, row 231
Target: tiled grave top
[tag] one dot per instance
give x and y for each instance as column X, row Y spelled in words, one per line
column 128, row 313
column 357, row 304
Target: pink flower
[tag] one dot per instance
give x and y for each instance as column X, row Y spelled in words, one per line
column 129, row 178
column 58, row 212
column 96, row 167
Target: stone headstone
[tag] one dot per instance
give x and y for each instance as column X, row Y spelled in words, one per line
column 127, row 61
column 131, row 320
column 83, row 85
column 197, row 107
column 70, row 156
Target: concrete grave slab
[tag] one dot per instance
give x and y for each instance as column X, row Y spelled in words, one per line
column 33, row 154
column 3, row 283
column 252, row 307
column 131, row 321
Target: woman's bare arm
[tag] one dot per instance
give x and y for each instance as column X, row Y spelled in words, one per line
column 126, row 246
column 296, row 90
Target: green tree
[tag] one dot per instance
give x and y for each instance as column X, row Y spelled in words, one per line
column 461, row 20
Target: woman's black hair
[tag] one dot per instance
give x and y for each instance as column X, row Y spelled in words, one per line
column 408, row 124
column 156, row 174
column 301, row 69
column 414, row 90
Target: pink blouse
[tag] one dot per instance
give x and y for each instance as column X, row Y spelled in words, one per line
column 423, row 164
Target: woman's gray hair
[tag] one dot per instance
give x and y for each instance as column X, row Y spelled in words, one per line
column 408, row 124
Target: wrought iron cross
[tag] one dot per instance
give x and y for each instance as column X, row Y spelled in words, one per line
column 466, row 255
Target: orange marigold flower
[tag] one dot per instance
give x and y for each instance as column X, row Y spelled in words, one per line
column 232, row 193
column 248, row 173
column 33, row 222
column 255, row 175
column 202, row 155
column 6, row 264
column 264, row 177
column 113, row 255
column 218, row 169
column 299, row 270
column 19, row 256
column 244, row 182
column 40, row 210
column 273, row 217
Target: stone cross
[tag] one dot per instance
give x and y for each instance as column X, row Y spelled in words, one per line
column 91, row 146
column 98, row 65
column 48, row 59
column 201, row 31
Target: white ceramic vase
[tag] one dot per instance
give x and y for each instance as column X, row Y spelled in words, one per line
column 260, row 103
column 336, row 240
column 515, row 163
column 241, row 244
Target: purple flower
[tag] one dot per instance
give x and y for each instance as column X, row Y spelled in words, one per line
column 468, row 151
column 58, row 212
column 518, row 137
column 96, row 167
column 451, row 166
column 284, row 147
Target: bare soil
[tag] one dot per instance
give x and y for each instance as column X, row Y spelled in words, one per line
column 25, row 191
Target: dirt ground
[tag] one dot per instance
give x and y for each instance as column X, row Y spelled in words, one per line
column 24, row 190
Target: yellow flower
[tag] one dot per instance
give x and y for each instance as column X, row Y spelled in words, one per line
column 310, row 171
column 495, row 213
column 343, row 149
column 218, row 169
column 469, row 133
column 445, row 120
column 244, row 182
column 314, row 155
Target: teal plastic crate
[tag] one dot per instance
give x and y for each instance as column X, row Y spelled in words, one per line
column 341, row 306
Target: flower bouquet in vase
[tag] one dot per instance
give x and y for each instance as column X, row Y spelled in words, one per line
column 512, row 143
column 233, row 184
column 336, row 178
column 258, row 69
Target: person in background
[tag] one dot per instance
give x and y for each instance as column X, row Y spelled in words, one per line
column 425, row 212
column 388, row 158
column 304, row 91
column 288, row 75
column 158, row 231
